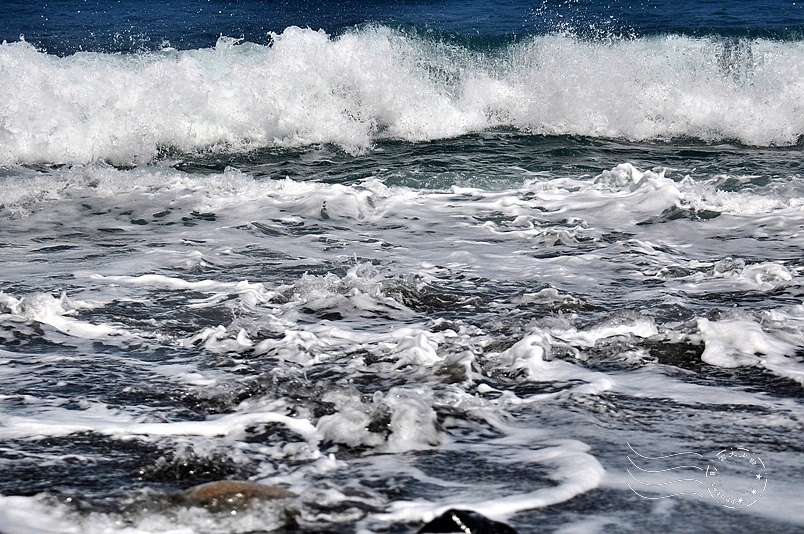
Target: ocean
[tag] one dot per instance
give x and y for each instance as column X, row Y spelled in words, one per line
column 540, row 260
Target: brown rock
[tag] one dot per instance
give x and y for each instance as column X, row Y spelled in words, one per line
column 234, row 493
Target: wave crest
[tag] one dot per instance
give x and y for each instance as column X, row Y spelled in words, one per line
column 377, row 83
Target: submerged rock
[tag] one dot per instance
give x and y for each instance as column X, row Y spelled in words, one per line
column 466, row 522
column 234, row 493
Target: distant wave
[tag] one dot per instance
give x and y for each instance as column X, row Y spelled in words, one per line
column 378, row 83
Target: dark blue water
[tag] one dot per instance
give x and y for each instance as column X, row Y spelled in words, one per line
column 64, row 27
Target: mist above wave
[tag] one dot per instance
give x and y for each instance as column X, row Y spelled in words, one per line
column 377, row 83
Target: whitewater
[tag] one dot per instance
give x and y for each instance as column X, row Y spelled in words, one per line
column 366, row 85
column 396, row 270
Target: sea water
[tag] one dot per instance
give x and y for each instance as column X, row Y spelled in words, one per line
column 539, row 260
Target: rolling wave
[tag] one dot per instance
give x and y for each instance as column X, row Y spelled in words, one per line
column 375, row 83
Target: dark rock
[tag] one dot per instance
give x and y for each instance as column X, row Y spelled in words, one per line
column 466, row 522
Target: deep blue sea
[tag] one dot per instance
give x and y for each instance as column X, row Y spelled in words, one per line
column 535, row 260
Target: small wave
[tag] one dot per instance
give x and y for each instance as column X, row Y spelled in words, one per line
column 376, row 83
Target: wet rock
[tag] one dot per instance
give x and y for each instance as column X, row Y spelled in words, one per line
column 234, row 493
column 466, row 522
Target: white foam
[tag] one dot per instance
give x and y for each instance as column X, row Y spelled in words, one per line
column 574, row 470
column 733, row 274
column 16, row 513
column 539, row 215
column 375, row 82
column 648, row 383
column 50, row 418
column 47, row 309
column 740, row 340
column 637, row 326
column 55, row 420
column 411, row 426
column 616, row 199
column 413, row 420
column 532, row 353
column 735, row 342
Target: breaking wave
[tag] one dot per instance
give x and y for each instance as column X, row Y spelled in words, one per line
column 377, row 83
